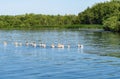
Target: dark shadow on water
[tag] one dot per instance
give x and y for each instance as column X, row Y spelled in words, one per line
column 114, row 54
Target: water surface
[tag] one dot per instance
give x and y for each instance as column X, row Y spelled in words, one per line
column 54, row 63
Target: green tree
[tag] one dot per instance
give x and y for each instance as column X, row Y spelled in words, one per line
column 112, row 24
column 99, row 12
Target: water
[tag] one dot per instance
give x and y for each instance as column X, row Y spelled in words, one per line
column 54, row 63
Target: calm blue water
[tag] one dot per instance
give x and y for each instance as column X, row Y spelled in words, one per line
column 54, row 63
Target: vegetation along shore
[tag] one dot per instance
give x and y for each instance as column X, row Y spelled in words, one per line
column 101, row 15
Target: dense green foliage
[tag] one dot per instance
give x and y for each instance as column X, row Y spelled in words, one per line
column 38, row 21
column 112, row 23
column 107, row 14
column 35, row 20
column 99, row 12
column 103, row 13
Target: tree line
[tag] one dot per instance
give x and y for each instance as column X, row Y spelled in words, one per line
column 31, row 20
column 106, row 13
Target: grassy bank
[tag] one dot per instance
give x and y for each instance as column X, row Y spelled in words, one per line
column 93, row 26
column 85, row 26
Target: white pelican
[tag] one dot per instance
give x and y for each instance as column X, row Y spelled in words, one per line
column 44, row 45
column 20, row 44
column 52, row 46
column 80, row 46
column 5, row 43
column 27, row 44
column 60, row 46
column 34, row 44
column 16, row 44
column 68, row 46
column 40, row 45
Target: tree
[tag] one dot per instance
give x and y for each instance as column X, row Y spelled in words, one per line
column 99, row 12
column 112, row 24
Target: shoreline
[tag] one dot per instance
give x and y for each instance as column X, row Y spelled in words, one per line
column 42, row 27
